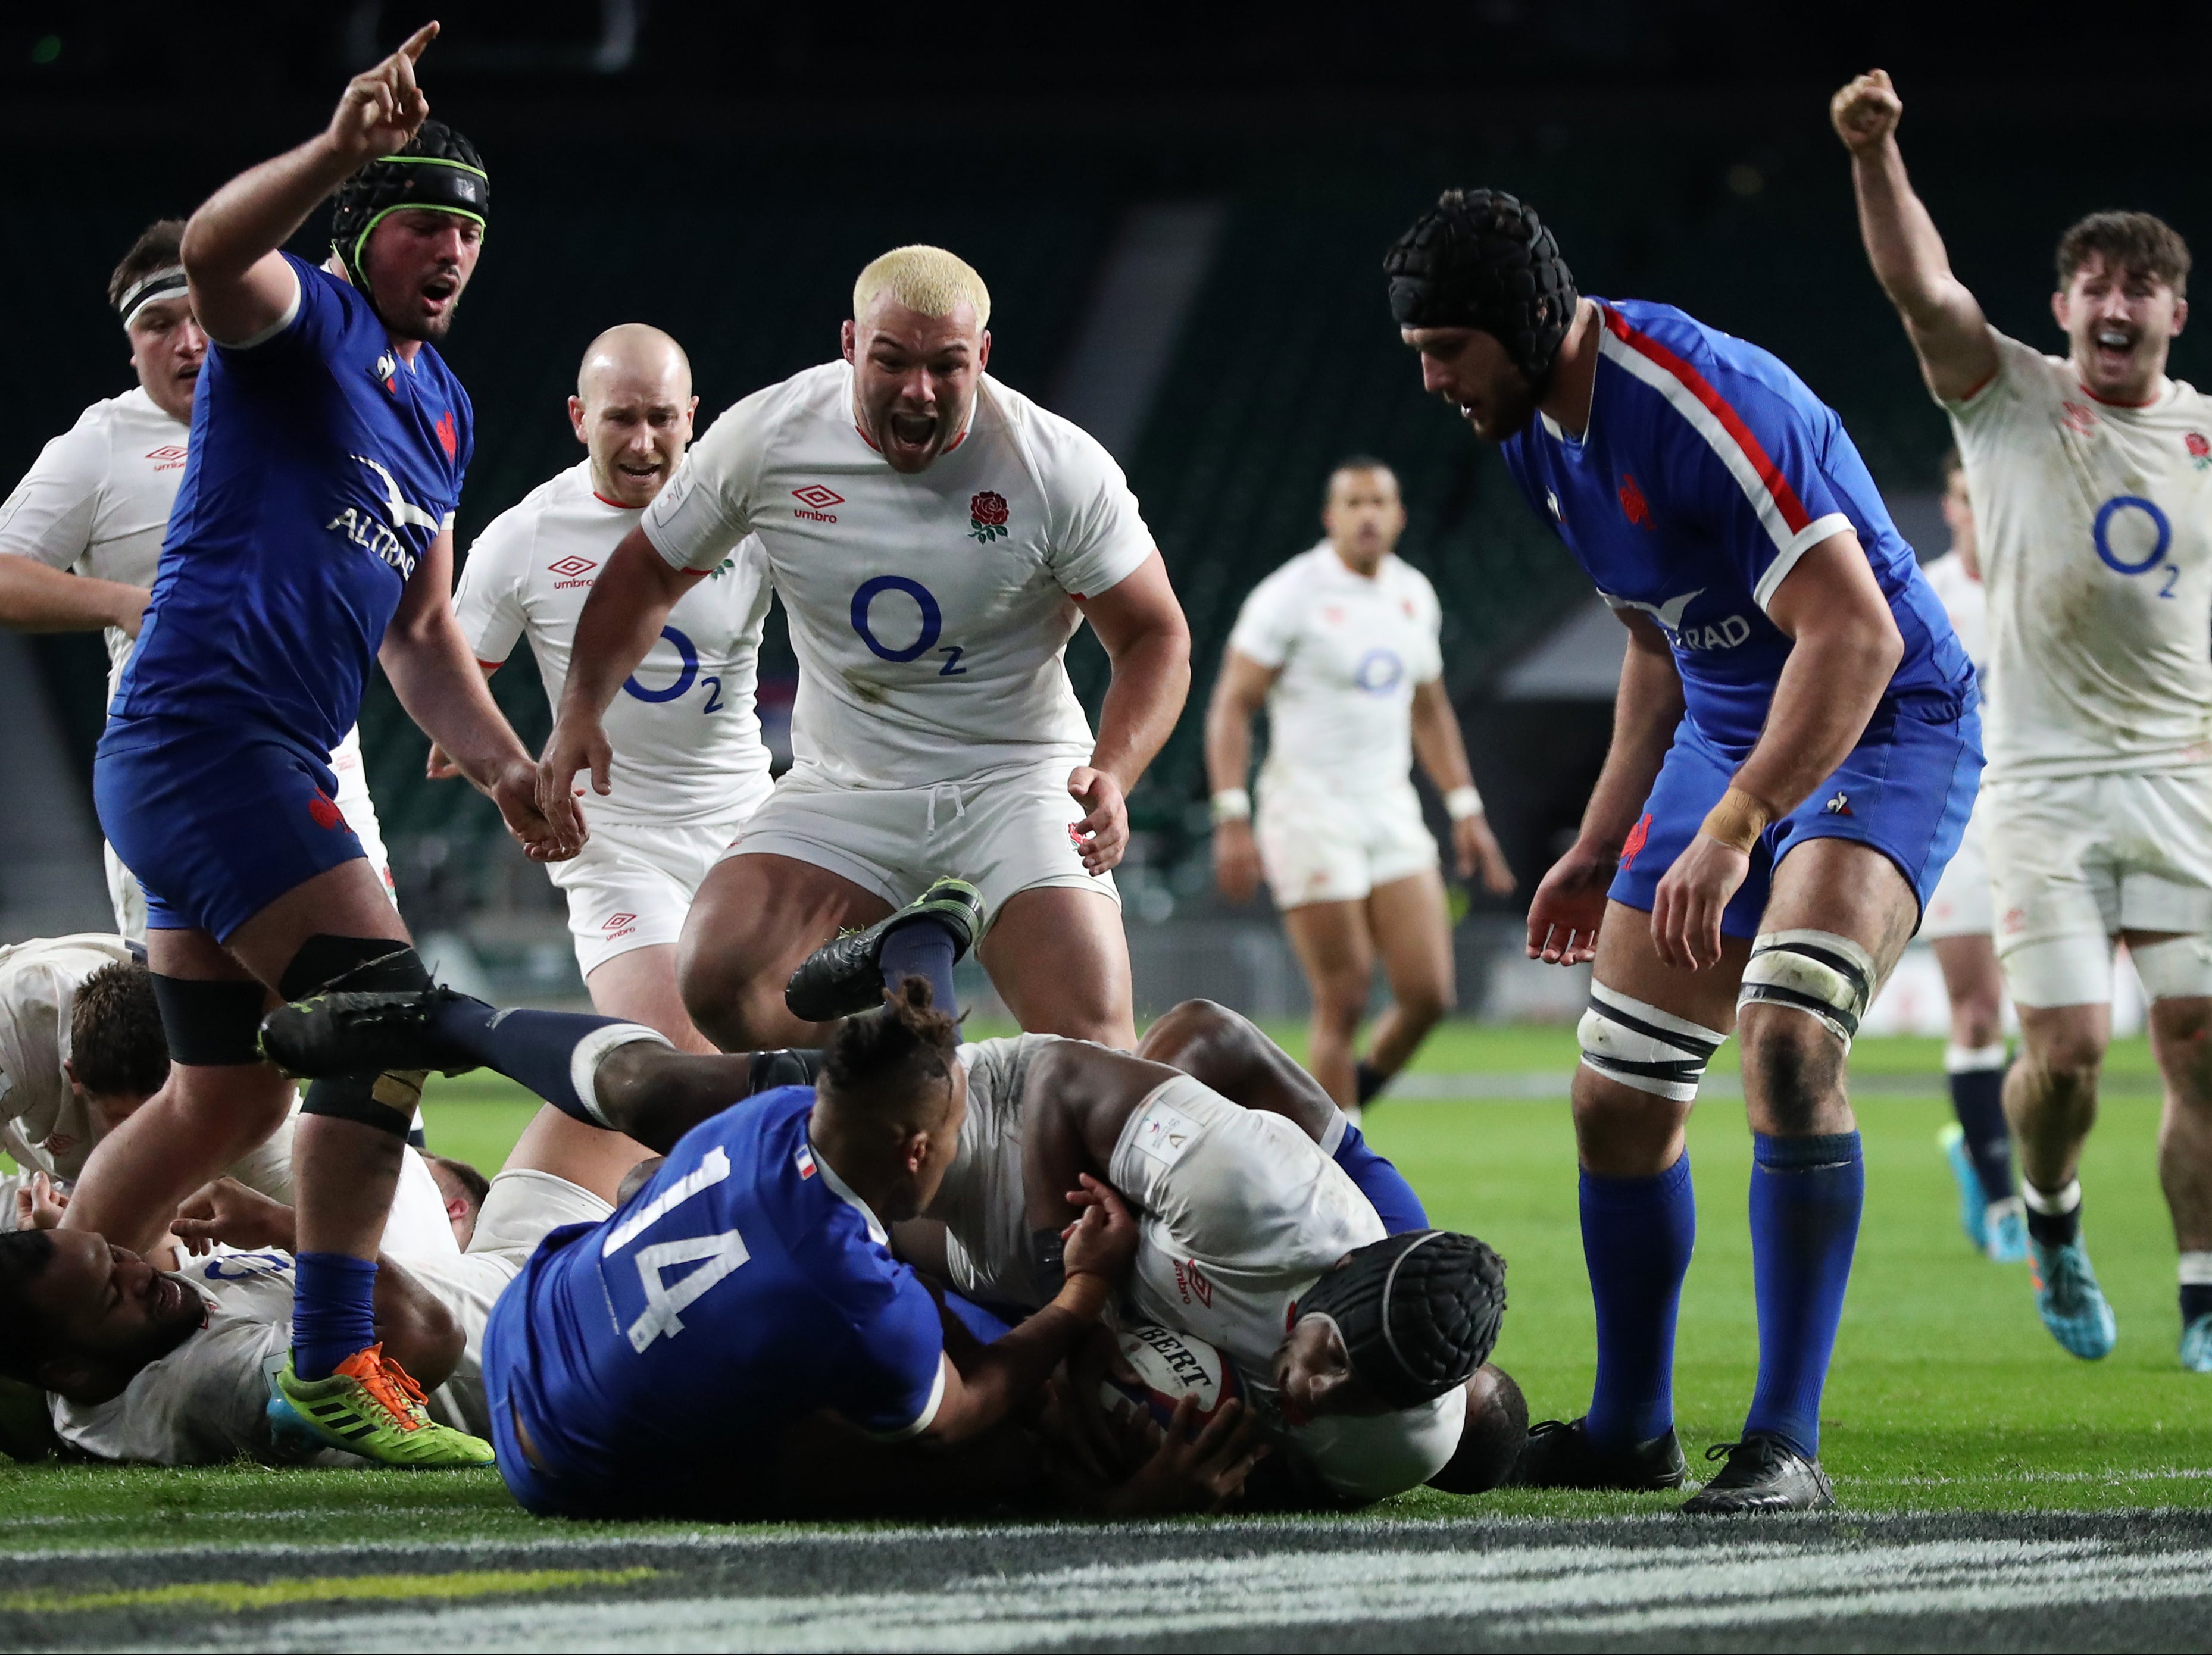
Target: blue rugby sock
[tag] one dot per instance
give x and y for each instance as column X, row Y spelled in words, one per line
column 1637, row 1233
column 921, row 948
column 1806, row 1194
column 333, row 1311
column 1976, row 1079
column 538, row 1048
column 1383, row 1183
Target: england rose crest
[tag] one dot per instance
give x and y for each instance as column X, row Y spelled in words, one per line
column 987, row 517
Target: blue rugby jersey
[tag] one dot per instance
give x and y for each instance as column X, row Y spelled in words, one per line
column 742, row 1288
column 322, row 466
column 1708, row 469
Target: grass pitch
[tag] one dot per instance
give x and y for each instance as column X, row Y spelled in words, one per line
column 1948, row 1399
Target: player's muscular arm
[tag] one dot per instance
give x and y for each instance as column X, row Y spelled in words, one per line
column 437, row 680
column 1564, row 914
column 1441, row 751
column 240, row 285
column 1944, row 319
column 628, row 605
column 36, row 599
column 1141, row 624
column 1844, row 648
column 1239, row 692
column 996, row 1379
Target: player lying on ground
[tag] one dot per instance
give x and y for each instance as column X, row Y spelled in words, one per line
column 1795, row 750
column 313, row 541
column 936, row 538
column 1341, row 645
column 766, row 1353
column 81, row 535
column 687, row 764
column 2092, row 482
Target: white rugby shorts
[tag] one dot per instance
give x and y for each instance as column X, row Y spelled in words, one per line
column 1319, row 845
column 128, row 898
column 1005, row 833
column 1961, row 904
column 631, row 884
column 2075, row 859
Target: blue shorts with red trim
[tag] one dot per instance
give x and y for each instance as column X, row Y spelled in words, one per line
column 1905, row 789
column 217, row 822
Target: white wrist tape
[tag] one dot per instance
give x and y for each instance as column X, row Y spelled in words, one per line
column 1462, row 802
column 1231, row 804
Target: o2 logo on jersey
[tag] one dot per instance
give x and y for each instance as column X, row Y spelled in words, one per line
column 2123, row 524
column 1379, row 672
column 925, row 640
column 687, row 659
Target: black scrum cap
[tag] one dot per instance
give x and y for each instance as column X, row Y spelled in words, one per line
column 439, row 169
column 1419, row 1313
column 1480, row 258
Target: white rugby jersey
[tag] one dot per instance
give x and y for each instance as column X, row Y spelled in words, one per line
column 2095, row 534
column 1350, row 649
column 96, row 500
column 929, row 612
column 1967, row 602
column 43, row 1123
column 684, row 729
column 207, row 1402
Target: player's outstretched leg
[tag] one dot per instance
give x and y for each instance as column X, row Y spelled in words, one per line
column 925, row 938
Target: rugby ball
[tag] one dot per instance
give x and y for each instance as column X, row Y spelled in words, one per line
column 1161, row 1367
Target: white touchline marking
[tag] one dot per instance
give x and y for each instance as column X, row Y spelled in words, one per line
column 1579, row 1590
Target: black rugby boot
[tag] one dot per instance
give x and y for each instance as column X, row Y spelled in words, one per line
column 843, row 978
column 1558, row 1454
column 1763, row 1474
column 349, row 1032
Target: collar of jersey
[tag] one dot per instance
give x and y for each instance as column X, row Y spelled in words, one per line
column 843, row 1192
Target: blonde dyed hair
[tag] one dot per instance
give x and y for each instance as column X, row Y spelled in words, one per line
column 928, row 281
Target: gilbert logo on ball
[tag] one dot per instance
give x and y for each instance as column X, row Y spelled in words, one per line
column 987, row 517
column 1158, row 1367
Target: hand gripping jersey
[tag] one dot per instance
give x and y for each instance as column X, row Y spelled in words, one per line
column 322, row 467
column 43, row 1121
column 653, row 1358
column 2095, row 526
column 97, row 502
column 1351, row 649
column 1707, row 470
column 929, row 612
column 686, row 736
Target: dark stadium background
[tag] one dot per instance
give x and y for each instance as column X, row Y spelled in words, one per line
column 722, row 171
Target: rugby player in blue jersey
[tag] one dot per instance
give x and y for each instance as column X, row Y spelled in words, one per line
column 311, row 537
column 1795, row 747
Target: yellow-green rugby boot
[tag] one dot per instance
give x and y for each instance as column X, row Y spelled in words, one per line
column 369, row 1407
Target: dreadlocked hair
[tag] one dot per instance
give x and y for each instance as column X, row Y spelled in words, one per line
column 886, row 1059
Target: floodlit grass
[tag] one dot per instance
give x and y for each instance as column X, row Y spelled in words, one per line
column 1947, row 1392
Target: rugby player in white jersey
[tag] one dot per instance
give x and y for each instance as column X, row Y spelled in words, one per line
column 2091, row 477
column 936, row 538
column 81, row 535
column 688, row 764
column 1341, row 645
column 1957, row 926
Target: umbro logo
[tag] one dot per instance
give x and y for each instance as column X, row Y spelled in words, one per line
column 572, row 570
column 172, row 453
column 815, row 501
column 619, row 922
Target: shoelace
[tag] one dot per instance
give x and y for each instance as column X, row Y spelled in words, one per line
column 389, row 1385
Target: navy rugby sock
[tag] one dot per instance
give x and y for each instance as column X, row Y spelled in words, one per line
column 2054, row 1219
column 1637, row 1233
column 921, row 948
column 1806, row 1195
column 1367, row 1082
column 538, row 1048
column 333, row 1311
column 1383, row 1183
column 1978, row 1099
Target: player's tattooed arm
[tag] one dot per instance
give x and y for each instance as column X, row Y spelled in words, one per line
column 242, row 287
column 1140, row 623
column 1958, row 355
column 621, row 621
column 1564, row 914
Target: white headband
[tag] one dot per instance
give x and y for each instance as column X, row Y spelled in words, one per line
column 162, row 284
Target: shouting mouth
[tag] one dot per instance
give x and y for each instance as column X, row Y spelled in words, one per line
column 911, row 430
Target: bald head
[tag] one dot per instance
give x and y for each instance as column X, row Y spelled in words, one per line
column 633, row 409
